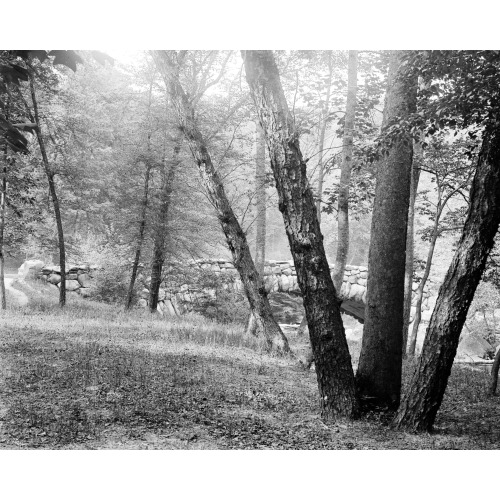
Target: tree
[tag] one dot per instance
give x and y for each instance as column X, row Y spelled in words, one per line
column 378, row 377
column 333, row 361
column 421, row 403
column 345, row 173
column 452, row 173
column 50, row 174
column 409, row 264
column 169, row 65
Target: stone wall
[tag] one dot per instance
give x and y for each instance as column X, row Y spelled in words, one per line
column 179, row 297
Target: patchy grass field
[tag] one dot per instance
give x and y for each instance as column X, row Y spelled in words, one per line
column 92, row 376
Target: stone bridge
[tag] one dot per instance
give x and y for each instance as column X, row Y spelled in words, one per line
column 192, row 283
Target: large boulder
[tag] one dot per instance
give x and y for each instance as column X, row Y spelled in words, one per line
column 85, row 280
column 54, row 278
column 30, row 269
column 472, row 345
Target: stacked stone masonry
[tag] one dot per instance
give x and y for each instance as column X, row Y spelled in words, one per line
column 279, row 276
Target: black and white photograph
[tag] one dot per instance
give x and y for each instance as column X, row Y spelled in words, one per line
column 209, row 248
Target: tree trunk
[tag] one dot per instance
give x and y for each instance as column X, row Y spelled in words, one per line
column 422, row 401
column 345, row 172
column 412, row 341
column 140, row 239
column 321, row 145
column 261, row 205
column 378, row 377
column 410, row 243
column 296, row 202
column 3, row 203
column 55, row 200
column 253, row 283
column 161, row 230
column 494, row 374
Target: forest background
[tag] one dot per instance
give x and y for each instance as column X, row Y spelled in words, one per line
column 398, row 32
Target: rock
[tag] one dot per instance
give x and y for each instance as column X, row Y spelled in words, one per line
column 363, row 268
column 356, row 292
column 71, row 285
column 284, row 284
column 363, row 274
column 71, row 276
column 142, row 303
column 362, row 281
column 85, row 280
column 426, row 315
column 414, row 286
column 85, row 292
column 472, row 344
column 353, row 279
column 54, row 278
column 288, row 272
column 144, row 293
column 162, row 294
column 30, row 269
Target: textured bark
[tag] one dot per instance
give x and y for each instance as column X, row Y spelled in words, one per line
column 410, row 243
column 345, row 172
column 3, row 202
column 161, row 230
column 378, row 377
column 140, row 239
column 296, row 202
column 261, row 200
column 428, row 383
column 321, row 145
column 494, row 374
column 53, row 193
column 253, row 283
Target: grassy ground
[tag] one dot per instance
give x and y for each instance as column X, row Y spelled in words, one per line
column 91, row 376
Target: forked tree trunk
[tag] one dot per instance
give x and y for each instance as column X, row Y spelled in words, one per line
column 140, row 238
column 410, row 243
column 421, row 403
column 267, row 327
column 161, row 230
column 53, row 193
column 345, row 172
column 378, row 378
column 296, row 202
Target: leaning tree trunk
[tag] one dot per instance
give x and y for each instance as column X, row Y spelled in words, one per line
column 378, row 378
column 3, row 203
column 333, row 361
column 410, row 243
column 253, row 283
column 422, row 401
column 345, row 172
column 140, row 238
column 55, row 200
column 494, row 374
column 161, row 231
